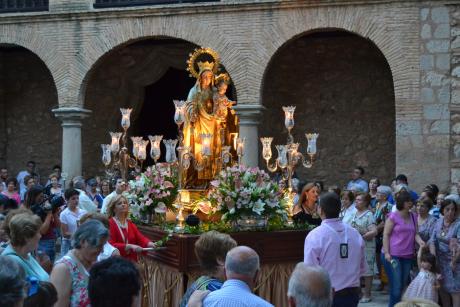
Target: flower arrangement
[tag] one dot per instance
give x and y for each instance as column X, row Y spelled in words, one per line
column 153, row 191
column 241, row 191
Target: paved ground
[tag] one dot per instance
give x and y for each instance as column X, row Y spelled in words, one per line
column 379, row 298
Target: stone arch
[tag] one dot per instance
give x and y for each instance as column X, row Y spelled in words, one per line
column 366, row 23
column 127, row 31
column 341, row 85
column 28, row 37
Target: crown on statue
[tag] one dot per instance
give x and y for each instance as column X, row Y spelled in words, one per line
column 205, row 66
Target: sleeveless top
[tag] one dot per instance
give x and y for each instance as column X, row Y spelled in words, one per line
column 79, row 275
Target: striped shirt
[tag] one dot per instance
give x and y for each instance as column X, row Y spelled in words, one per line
column 233, row 293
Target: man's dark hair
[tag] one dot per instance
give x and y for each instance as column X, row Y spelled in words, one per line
column 70, row 192
column 57, row 166
column 113, row 282
column 31, row 162
column 402, row 198
column 330, row 205
column 402, row 178
column 361, row 169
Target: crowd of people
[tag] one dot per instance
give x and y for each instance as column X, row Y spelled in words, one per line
column 368, row 230
column 92, row 244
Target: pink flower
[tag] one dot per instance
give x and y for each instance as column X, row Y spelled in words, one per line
column 215, row 183
column 168, row 184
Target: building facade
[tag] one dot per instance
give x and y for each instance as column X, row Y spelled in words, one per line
column 378, row 79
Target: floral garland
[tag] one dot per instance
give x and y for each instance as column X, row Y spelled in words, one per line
column 240, row 190
column 153, row 191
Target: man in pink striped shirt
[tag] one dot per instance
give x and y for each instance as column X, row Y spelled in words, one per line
column 339, row 249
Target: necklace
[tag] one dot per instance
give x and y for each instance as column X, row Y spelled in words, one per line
column 445, row 229
column 311, row 212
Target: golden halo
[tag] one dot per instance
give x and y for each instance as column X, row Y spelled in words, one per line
column 192, row 61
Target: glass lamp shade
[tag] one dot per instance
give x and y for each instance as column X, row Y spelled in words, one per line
column 179, row 115
column 282, row 155
column 206, row 139
column 155, row 151
column 266, row 147
column 311, row 137
column 170, row 150
column 115, row 146
column 289, row 117
column 125, row 118
column 240, row 146
column 142, row 150
column 136, row 140
column 106, row 154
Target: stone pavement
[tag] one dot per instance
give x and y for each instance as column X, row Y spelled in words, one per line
column 379, row 298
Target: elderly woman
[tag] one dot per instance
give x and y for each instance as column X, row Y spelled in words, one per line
column 210, row 249
column 109, row 250
column 382, row 208
column 348, row 209
column 70, row 273
column 124, row 234
column 364, row 222
column 24, row 232
column 444, row 244
column 399, row 236
column 305, row 210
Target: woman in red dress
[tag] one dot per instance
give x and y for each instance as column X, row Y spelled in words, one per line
column 124, row 234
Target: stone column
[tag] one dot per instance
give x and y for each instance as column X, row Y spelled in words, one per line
column 71, row 118
column 249, row 115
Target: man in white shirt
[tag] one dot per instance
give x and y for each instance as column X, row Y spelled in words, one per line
column 84, row 202
column 120, row 187
column 357, row 182
column 70, row 218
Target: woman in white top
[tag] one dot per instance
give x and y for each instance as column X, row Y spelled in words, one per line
column 70, row 219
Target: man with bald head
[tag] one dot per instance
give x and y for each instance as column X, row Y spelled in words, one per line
column 241, row 269
column 309, row 286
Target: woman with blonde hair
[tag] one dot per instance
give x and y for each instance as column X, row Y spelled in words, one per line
column 124, row 234
column 305, row 211
column 23, row 230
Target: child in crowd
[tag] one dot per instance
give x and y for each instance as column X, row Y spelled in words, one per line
column 425, row 285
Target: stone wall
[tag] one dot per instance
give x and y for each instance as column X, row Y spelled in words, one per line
column 342, row 87
column 455, row 98
column 27, row 96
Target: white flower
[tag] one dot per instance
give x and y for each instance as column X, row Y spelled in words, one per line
column 161, row 208
column 258, row 206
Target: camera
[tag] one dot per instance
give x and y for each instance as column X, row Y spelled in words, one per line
column 49, row 204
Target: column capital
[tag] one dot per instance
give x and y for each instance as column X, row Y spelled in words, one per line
column 249, row 114
column 71, row 116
